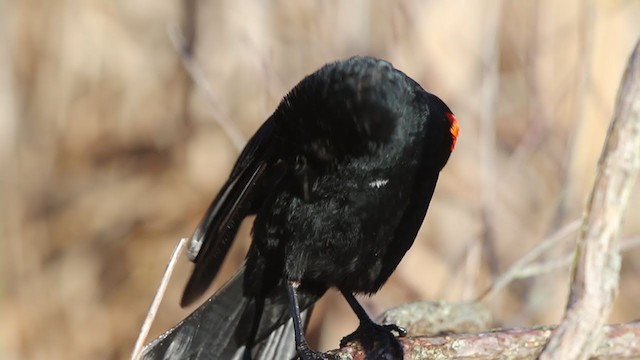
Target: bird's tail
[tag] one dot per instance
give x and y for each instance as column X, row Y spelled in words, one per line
column 222, row 327
column 211, row 331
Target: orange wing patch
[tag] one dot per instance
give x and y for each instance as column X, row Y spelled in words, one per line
column 454, row 129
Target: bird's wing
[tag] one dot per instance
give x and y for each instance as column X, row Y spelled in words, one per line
column 250, row 180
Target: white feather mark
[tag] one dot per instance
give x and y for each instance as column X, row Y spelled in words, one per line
column 377, row 184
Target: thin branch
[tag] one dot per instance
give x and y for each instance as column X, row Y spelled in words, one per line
column 517, row 267
column 551, row 265
column 525, row 267
column 489, row 95
column 157, row 299
column 629, row 244
column 597, row 262
column 196, row 73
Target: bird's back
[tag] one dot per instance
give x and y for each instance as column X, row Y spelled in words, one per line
column 354, row 135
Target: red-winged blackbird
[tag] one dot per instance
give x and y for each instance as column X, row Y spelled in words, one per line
column 340, row 178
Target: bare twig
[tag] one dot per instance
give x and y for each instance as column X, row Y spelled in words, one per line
column 621, row 341
column 197, row 74
column 597, row 261
column 523, row 268
column 489, row 95
column 157, row 299
column 472, row 263
column 629, row 244
column 551, row 265
column 517, row 267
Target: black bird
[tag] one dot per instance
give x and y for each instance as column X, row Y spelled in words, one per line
column 339, row 179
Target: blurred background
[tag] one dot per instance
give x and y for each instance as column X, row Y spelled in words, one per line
column 111, row 148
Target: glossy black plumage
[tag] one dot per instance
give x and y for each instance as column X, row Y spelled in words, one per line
column 340, row 178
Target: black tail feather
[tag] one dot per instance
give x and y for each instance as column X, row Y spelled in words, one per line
column 226, row 322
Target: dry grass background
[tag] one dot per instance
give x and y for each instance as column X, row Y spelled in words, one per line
column 109, row 153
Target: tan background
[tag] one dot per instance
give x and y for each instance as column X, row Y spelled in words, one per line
column 109, row 153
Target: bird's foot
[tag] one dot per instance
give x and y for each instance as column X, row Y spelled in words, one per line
column 308, row 354
column 378, row 340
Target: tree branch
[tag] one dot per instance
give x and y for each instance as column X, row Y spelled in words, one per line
column 621, row 341
column 597, row 262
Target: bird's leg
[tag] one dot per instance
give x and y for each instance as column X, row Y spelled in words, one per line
column 302, row 347
column 377, row 339
column 364, row 318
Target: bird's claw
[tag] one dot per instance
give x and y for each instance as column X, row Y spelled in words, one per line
column 402, row 332
column 377, row 340
column 373, row 330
